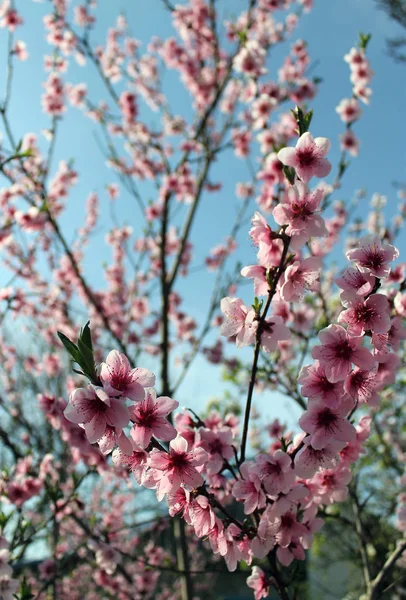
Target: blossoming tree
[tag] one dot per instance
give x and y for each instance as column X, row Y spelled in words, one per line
column 91, row 445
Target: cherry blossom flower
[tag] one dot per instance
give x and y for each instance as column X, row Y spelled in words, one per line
column 325, row 424
column 372, row 256
column 273, row 332
column 259, row 582
column 353, row 281
column 361, row 386
column 315, row 385
column 309, row 460
column 293, row 551
column 119, row 379
column 300, row 276
column 95, row 410
column 258, row 274
column 240, row 321
column 218, row 445
column 372, row 315
column 275, row 471
column 349, row 110
column 339, row 350
column 349, row 142
column 177, row 467
column 249, row 490
column 149, row 420
column 298, row 211
column 308, row 157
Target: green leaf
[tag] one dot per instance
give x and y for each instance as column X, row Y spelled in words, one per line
column 85, row 335
column 70, row 346
column 363, row 40
column 289, row 174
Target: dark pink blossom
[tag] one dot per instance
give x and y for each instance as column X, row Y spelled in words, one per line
column 177, row 467
column 325, row 424
column 218, row 445
column 316, row 385
column 149, row 419
column 361, row 386
column 339, row 350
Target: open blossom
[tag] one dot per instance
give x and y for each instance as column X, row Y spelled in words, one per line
column 218, row 445
column 249, row 490
column 149, row 419
column 258, row 582
column 349, row 142
column 258, row 274
column 339, row 350
column 251, row 59
column 177, row 467
column 298, row 210
column 373, row 256
column 95, row 410
column 300, row 276
column 315, row 385
column 273, row 331
column 353, row 281
column 275, row 471
column 372, row 314
column 362, row 386
column 308, row 157
column 349, row 110
column 119, row 379
column 8, row 587
column 324, row 424
column 240, row 321
column 309, row 460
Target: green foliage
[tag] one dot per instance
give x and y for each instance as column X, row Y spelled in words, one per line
column 82, row 353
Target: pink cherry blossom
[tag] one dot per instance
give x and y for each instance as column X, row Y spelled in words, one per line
column 177, row 467
column 298, row 210
column 308, row 157
column 95, row 410
column 273, row 332
column 218, row 445
column 293, row 551
column 275, row 471
column 372, row 256
column 258, row 582
column 309, row 460
column 315, row 385
column 119, row 379
column 300, row 276
column 353, row 281
column 240, row 321
column 325, row 424
column 339, row 350
column 258, row 274
column 149, row 419
column 372, row 315
column 349, row 110
column 249, row 490
column 289, row 527
column 362, row 386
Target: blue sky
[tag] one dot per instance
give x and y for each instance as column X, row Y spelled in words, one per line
column 330, row 30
